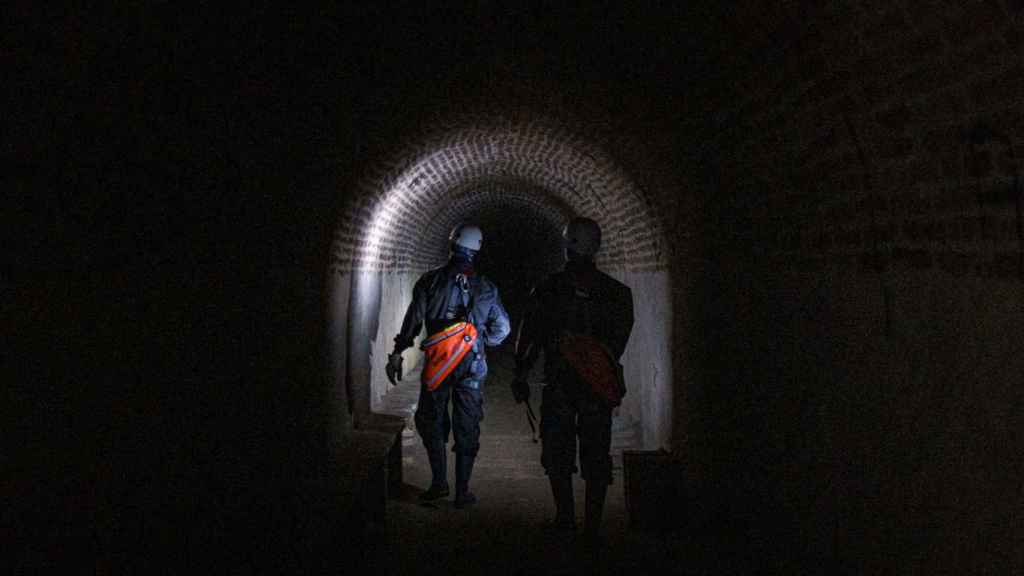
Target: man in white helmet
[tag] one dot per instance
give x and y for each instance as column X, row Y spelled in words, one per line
column 463, row 315
column 581, row 319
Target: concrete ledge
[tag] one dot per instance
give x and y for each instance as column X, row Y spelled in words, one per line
column 362, row 470
column 392, row 427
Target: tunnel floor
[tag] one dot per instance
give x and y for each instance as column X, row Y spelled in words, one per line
column 504, row 532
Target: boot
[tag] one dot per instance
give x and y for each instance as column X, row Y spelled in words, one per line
column 463, row 471
column 565, row 504
column 596, row 493
column 438, row 458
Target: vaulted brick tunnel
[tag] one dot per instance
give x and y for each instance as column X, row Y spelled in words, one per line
column 817, row 204
column 521, row 181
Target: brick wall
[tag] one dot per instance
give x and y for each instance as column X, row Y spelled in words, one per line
column 417, row 196
column 521, row 177
column 863, row 213
column 883, row 136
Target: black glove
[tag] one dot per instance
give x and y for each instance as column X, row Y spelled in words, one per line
column 520, row 390
column 394, row 367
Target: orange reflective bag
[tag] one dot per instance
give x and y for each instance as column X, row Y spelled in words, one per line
column 444, row 350
column 594, row 365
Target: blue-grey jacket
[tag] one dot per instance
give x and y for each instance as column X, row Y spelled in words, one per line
column 434, row 298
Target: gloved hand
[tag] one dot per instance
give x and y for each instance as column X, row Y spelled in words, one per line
column 520, row 390
column 394, row 367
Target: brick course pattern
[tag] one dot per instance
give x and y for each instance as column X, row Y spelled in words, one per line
column 399, row 218
column 892, row 134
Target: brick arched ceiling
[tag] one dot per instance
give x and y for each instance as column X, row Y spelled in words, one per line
column 532, row 176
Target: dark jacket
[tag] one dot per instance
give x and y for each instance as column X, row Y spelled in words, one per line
column 580, row 299
column 436, row 296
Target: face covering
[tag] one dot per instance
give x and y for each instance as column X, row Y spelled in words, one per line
column 571, row 256
column 462, row 259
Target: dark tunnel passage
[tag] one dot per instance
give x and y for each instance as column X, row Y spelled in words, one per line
column 522, row 182
column 522, row 246
column 217, row 217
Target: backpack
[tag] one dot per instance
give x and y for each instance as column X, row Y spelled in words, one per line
column 590, row 359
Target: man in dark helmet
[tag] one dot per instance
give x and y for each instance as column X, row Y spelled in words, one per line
column 581, row 319
column 463, row 315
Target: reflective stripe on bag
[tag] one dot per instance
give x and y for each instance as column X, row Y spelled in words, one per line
column 444, row 350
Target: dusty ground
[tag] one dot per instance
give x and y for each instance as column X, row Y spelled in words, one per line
column 504, row 532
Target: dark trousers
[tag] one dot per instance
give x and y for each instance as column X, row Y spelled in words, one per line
column 571, row 413
column 434, row 422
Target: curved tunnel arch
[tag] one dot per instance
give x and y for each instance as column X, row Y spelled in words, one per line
column 484, row 199
column 521, row 181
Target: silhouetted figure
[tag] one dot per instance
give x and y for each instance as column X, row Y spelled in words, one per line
column 581, row 319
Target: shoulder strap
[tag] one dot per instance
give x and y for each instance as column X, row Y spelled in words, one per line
column 582, row 306
column 469, row 302
column 469, row 296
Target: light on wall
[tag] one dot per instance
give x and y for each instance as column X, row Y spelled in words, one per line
column 387, row 213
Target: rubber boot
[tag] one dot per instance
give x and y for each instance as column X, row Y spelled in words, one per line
column 596, row 493
column 438, row 459
column 463, row 471
column 565, row 503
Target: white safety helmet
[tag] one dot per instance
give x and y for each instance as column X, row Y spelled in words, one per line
column 467, row 236
column 582, row 236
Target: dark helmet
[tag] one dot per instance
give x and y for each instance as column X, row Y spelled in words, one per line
column 582, row 236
